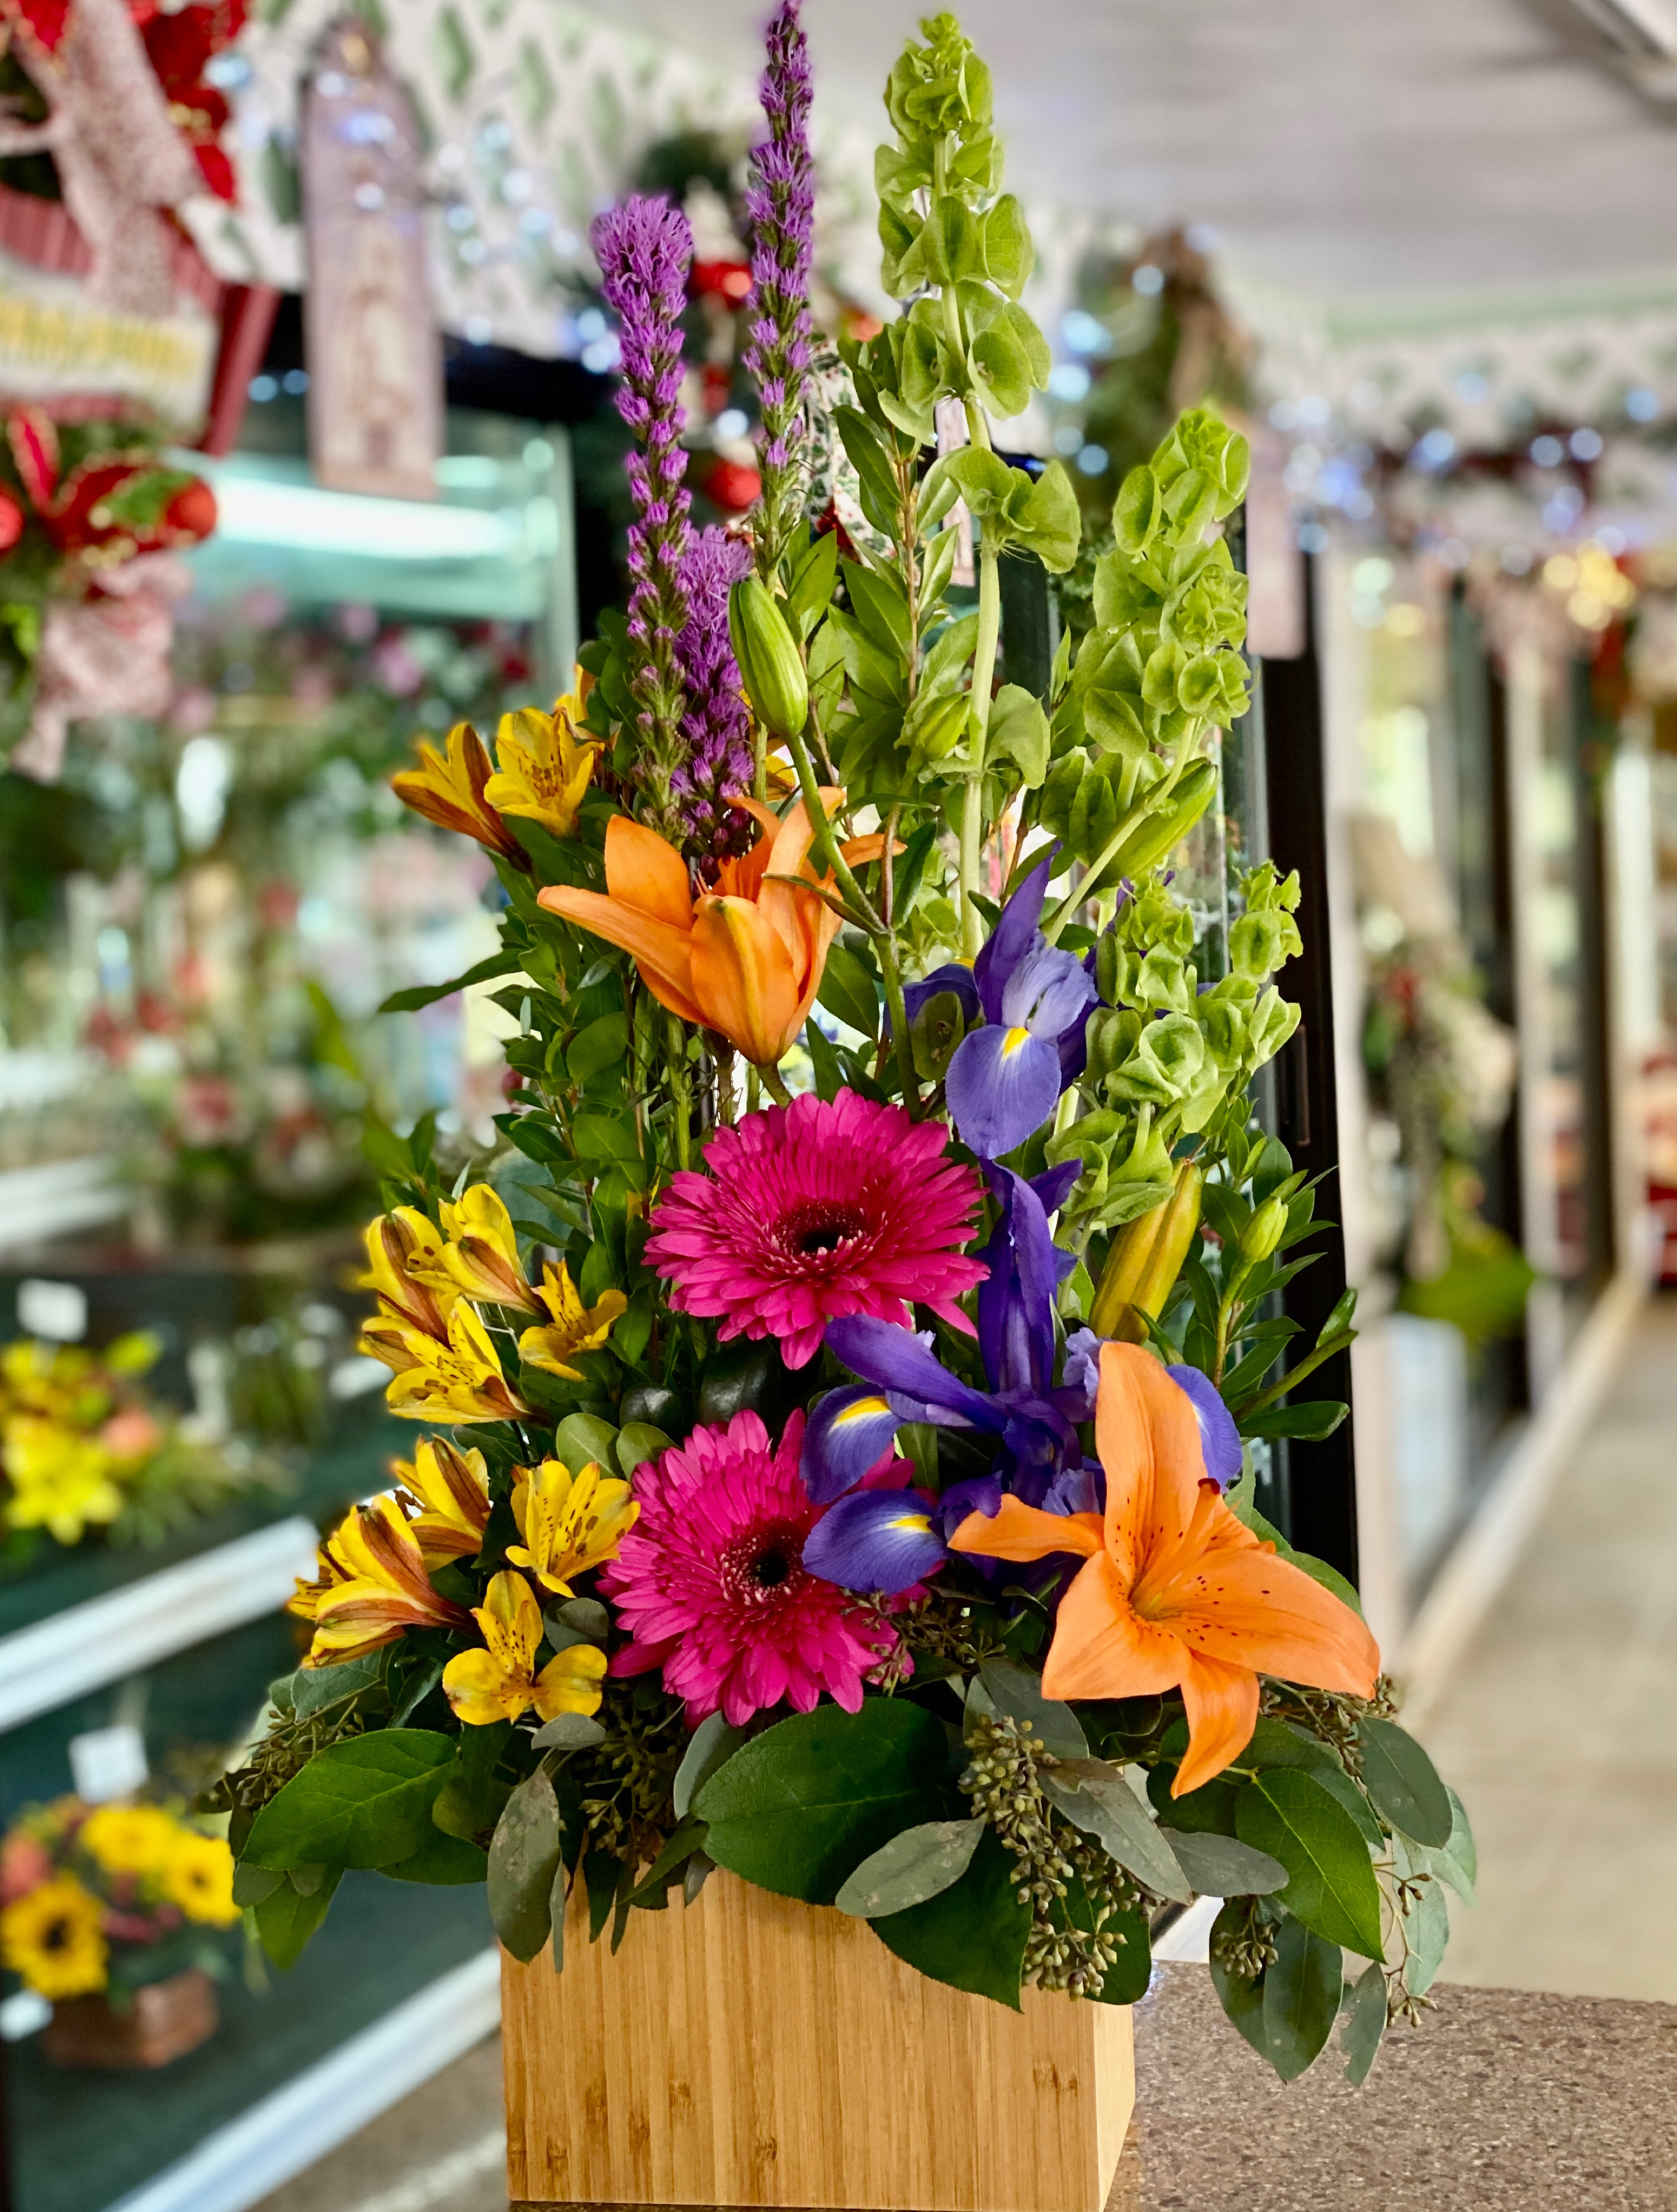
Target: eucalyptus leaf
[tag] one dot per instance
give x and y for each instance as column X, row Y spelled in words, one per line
column 1302, row 1987
column 524, row 1860
column 1331, row 1885
column 1095, row 1797
column 314, row 1688
column 588, row 1616
column 1365, row 2023
column 711, row 1745
column 1404, row 1784
column 1221, row 1866
column 568, row 1732
column 1016, row 1691
column 916, row 1864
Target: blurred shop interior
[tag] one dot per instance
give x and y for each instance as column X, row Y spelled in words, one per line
column 362, row 421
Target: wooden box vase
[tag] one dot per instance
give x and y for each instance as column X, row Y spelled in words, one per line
column 748, row 2050
column 163, row 2022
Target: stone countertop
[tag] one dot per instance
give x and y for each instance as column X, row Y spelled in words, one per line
column 1501, row 2101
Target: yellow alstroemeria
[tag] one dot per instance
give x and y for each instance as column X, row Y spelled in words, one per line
column 305, row 1599
column 499, row 1682
column 404, row 1266
column 545, row 765
column 570, row 1523
column 57, row 1480
column 385, row 1592
column 575, row 1327
column 459, row 1381
column 453, row 1488
column 481, row 1258
column 452, row 793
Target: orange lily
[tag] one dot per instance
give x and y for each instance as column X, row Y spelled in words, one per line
column 1175, row 1593
column 451, row 791
column 385, row 1592
column 743, row 959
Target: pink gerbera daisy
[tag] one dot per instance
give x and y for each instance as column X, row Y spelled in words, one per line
column 816, row 1209
column 711, row 1585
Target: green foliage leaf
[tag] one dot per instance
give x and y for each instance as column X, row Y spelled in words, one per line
column 849, row 990
column 1300, row 1997
column 1365, row 2023
column 799, row 1807
column 637, row 1443
column 524, row 1858
column 314, row 1689
column 445, row 1861
column 711, row 1745
column 1050, row 522
column 1404, row 1784
column 915, row 1864
column 428, row 995
column 1219, row 1866
column 600, row 1046
column 286, row 1920
column 364, row 1803
column 1019, row 731
column 583, row 1438
column 1331, row 1885
column 1307, row 1424
column 470, row 1801
column 971, row 1935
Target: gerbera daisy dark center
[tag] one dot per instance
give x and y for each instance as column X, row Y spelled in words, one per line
column 759, row 1568
column 821, row 1225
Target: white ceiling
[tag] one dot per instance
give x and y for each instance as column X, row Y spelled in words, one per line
column 1359, row 153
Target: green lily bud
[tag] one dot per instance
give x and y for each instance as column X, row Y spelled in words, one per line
column 1143, row 1260
column 1264, row 1232
column 1155, row 837
column 771, row 666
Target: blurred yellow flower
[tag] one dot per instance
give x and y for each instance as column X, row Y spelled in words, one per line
column 452, row 792
column 545, row 765
column 58, row 1481
column 137, row 1353
column 575, row 1327
column 384, row 1590
column 138, row 1839
column 570, row 1523
column 459, row 1381
column 481, row 1257
column 54, row 1939
column 453, row 1489
column 199, row 1879
column 499, row 1682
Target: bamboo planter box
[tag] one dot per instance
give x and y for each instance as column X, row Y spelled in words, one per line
column 751, row 2051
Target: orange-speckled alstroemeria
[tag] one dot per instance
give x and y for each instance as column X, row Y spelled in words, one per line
column 544, row 763
column 385, row 1592
column 459, row 1381
column 481, row 1257
column 452, row 792
column 744, row 959
column 570, row 1523
column 405, row 1267
column 574, row 1328
column 1175, row 1593
column 452, row 1489
column 499, row 1682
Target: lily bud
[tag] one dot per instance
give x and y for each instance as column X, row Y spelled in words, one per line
column 1155, row 836
column 771, row 666
column 1144, row 1259
column 1264, row 1232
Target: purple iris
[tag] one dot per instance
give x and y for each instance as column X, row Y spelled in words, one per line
column 882, row 1536
column 1219, row 1439
column 1005, row 1078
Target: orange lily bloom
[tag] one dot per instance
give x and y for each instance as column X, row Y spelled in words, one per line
column 451, row 791
column 743, row 959
column 1175, row 1593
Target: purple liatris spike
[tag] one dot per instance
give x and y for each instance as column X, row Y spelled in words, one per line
column 781, row 207
column 645, row 248
column 717, row 726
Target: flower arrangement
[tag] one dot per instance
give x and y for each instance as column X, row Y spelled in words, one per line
column 98, row 1898
column 852, row 1489
column 83, row 1448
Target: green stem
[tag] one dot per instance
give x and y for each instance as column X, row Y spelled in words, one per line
column 1130, row 821
column 825, row 843
column 972, row 804
column 1293, row 1376
column 899, row 1020
column 680, row 1090
column 773, row 1085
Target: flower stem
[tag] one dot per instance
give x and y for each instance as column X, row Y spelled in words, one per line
column 825, row 843
column 772, row 1082
column 681, row 1092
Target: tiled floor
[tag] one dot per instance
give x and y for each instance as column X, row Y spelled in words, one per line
column 1560, row 1732
column 1560, row 1728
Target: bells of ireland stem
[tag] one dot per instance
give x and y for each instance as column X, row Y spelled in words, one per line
column 771, row 666
column 1144, row 1259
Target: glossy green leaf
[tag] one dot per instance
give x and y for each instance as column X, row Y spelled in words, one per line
column 1241, row 1999
column 524, row 1858
column 286, row 1920
column 972, row 1935
column 450, row 1861
column 1307, row 1424
column 583, row 1439
column 799, row 1807
column 428, row 995
column 1404, row 1784
column 915, row 1864
column 638, row 1442
column 601, row 1045
column 849, row 990
column 1331, row 1884
column 364, row 1803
